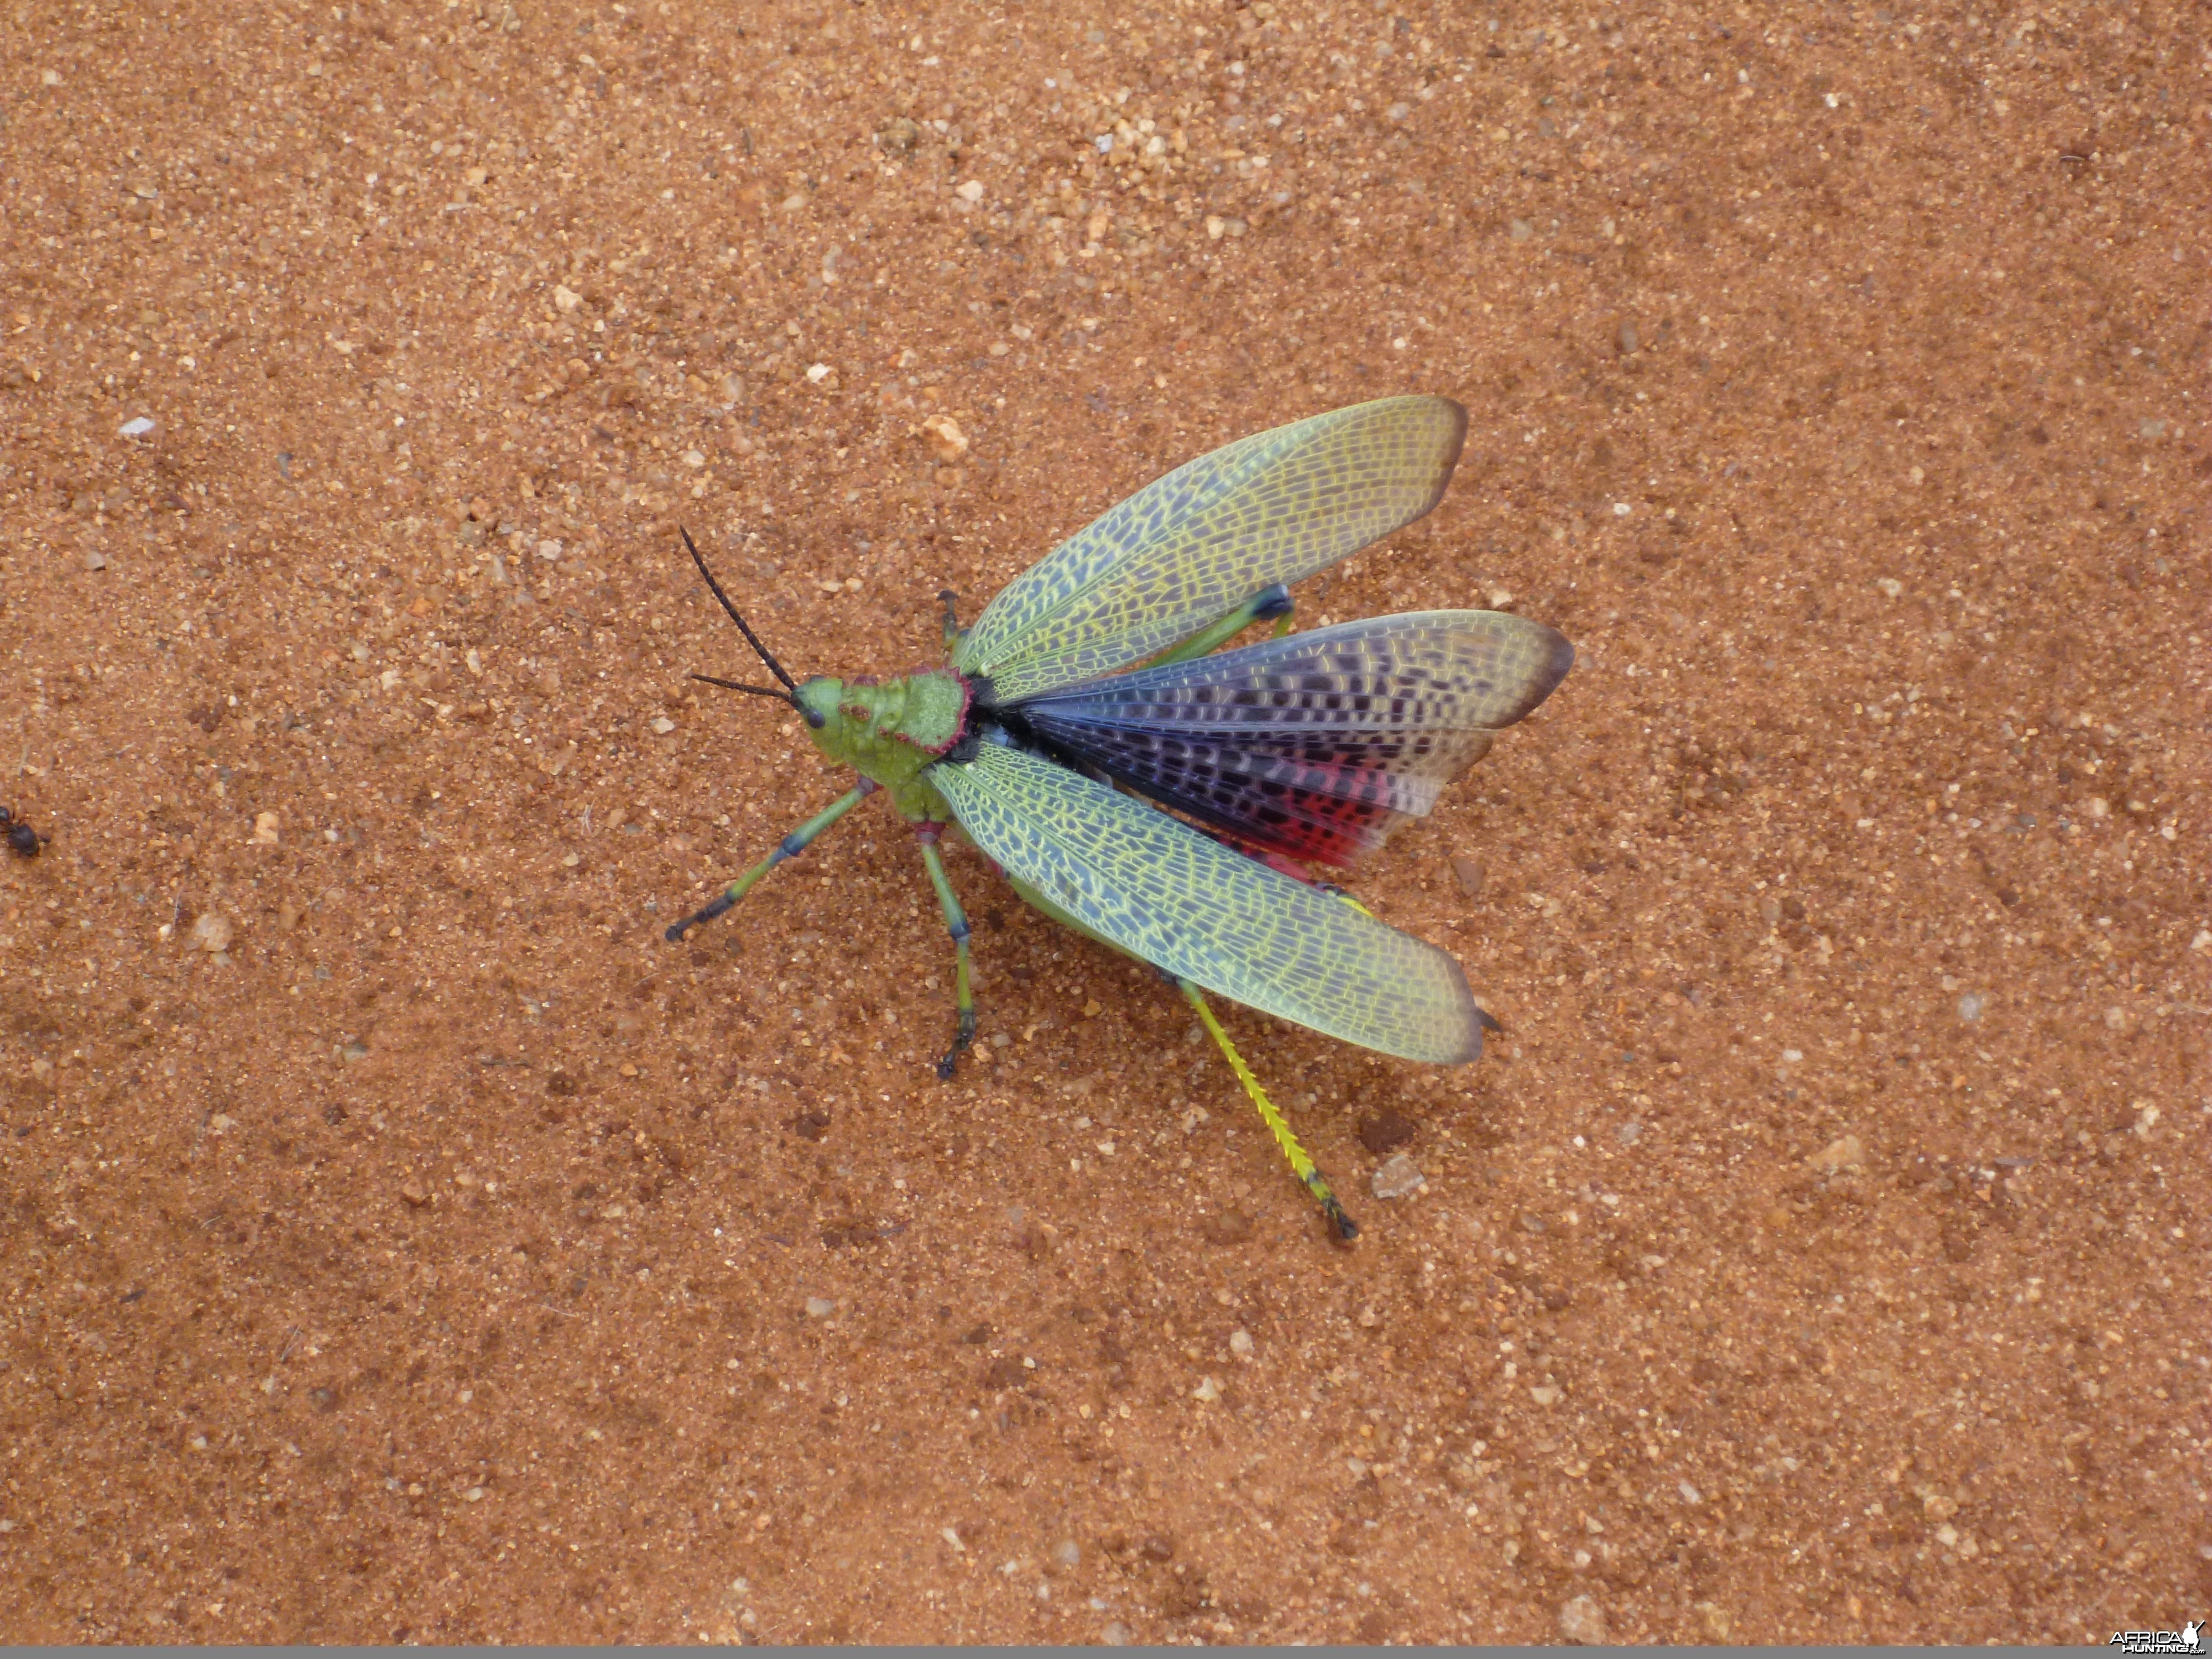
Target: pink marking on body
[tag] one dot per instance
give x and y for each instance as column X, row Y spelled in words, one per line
column 960, row 727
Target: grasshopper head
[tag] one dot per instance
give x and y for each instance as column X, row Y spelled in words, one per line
column 817, row 700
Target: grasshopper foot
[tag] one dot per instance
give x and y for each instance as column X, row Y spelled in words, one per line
column 962, row 1036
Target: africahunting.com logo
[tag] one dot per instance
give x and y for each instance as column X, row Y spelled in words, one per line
column 2190, row 1638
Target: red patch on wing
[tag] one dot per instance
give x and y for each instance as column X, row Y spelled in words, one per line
column 1324, row 826
column 1282, row 864
column 1332, row 825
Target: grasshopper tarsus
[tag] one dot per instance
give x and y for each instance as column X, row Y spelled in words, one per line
column 963, row 1037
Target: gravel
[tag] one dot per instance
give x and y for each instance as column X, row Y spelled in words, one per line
column 1583, row 1622
column 1399, row 1177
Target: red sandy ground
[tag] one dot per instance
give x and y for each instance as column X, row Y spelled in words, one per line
column 435, row 1261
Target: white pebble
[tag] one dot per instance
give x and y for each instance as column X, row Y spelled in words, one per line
column 1399, row 1177
column 821, row 1307
column 1582, row 1621
column 136, row 428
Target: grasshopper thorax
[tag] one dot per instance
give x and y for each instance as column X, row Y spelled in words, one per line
column 887, row 729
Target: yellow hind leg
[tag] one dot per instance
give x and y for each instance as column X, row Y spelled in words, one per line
column 1301, row 1165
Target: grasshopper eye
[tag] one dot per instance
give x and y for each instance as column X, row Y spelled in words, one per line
column 813, row 717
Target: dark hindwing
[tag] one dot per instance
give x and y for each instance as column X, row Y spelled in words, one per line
column 1316, row 746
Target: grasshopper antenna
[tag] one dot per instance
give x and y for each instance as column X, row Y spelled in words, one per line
column 756, row 690
column 790, row 685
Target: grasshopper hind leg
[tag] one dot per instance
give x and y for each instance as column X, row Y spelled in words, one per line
column 1302, row 1166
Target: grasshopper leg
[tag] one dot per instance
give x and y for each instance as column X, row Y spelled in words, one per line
column 1301, row 1165
column 1269, row 605
column 790, row 847
column 956, row 923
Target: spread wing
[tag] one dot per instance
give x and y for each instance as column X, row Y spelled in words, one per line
column 1317, row 745
column 1180, row 900
column 1189, row 548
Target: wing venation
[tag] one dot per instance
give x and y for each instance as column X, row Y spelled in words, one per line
column 1317, row 745
column 1189, row 548
column 1176, row 898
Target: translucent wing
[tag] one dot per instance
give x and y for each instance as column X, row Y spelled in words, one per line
column 1317, row 745
column 1191, row 547
column 1183, row 902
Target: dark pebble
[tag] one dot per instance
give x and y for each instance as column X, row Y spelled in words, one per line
column 1386, row 1132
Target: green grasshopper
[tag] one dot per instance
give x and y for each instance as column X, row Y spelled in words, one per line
column 1302, row 748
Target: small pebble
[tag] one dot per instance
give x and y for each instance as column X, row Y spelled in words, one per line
column 1970, row 1006
column 1207, row 1391
column 946, row 441
column 820, row 1307
column 1583, row 1622
column 95, row 559
column 1522, row 230
column 1240, row 1344
column 1624, row 337
column 267, row 828
column 136, row 428
column 1116, row 1635
column 1067, row 1552
column 212, row 932
column 1398, row 1177
column 1844, row 1153
column 1629, row 1134
column 664, row 725
column 1469, row 874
